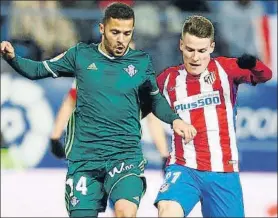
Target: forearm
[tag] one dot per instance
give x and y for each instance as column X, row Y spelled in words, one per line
column 158, row 134
column 162, row 110
column 30, row 69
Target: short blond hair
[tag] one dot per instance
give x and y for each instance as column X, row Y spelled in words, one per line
column 198, row 26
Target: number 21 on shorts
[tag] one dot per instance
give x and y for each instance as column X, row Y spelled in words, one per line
column 172, row 176
column 80, row 186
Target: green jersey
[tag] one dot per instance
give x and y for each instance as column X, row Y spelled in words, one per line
column 106, row 122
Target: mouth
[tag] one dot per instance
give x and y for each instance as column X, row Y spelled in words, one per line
column 194, row 65
column 120, row 48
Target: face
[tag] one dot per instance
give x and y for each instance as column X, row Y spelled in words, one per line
column 196, row 53
column 117, row 34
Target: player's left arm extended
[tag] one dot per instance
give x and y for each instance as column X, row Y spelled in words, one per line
column 62, row 65
column 246, row 69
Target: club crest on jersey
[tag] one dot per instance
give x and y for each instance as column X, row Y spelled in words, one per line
column 74, row 201
column 210, row 78
column 131, row 70
column 164, row 187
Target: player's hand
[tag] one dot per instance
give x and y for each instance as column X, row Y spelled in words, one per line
column 246, row 61
column 57, row 149
column 7, row 50
column 187, row 131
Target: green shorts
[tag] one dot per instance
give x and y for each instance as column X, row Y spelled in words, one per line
column 88, row 188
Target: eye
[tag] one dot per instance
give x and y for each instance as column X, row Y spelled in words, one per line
column 114, row 32
column 127, row 33
column 203, row 51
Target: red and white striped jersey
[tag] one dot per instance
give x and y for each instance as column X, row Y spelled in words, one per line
column 208, row 103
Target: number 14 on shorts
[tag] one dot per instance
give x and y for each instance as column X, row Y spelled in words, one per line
column 80, row 186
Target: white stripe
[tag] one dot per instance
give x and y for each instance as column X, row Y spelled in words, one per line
column 48, row 69
column 229, row 108
column 181, row 93
column 211, row 120
column 155, row 92
column 166, row 95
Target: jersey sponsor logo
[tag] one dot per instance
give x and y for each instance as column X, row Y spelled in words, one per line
column 198, row 101
column 58, row 57
column 131, row 70
column 123, row 168
column 210, row 78
column 92, row 67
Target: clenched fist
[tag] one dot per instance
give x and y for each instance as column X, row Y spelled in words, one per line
column 7, row 50
column 187, row 131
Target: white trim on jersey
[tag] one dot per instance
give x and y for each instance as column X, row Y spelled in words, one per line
column 229, row 108
column 154, row 92
column 165, row 93
column 48, row 69
column 108, row 56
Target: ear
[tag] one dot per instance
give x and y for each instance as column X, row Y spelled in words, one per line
column 212, row 46
column 101, row 28
column 181, row 45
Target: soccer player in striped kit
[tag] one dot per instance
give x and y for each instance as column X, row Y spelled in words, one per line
column 203, row 92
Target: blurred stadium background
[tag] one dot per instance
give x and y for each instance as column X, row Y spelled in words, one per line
column 32, row 180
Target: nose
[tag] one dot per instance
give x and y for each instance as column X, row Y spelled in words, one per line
column 120, row 38
column 195, row 56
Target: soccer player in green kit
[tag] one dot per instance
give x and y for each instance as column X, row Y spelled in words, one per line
column 103, row 137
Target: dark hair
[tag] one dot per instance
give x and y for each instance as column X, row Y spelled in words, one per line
column 118, row 11
column 198, row 26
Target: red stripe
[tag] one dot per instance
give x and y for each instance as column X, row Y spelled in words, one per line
column 266, row 40
column 179, row 152
column 221, row 111
column 72, row 93
column 197, row 117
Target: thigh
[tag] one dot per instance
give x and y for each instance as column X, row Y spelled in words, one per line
column 131, row 188
column 222, row 196
column 126, row 181
column 84, row 191
column 179, row 186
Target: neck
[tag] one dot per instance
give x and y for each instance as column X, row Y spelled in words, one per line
column 103, row 49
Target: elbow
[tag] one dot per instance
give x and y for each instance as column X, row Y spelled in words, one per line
column 267, row 76
column 263, row 72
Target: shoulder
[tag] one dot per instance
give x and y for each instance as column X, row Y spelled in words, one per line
column 167, row 71
column 226, row 62
column 140, row 54
column 83, row 46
